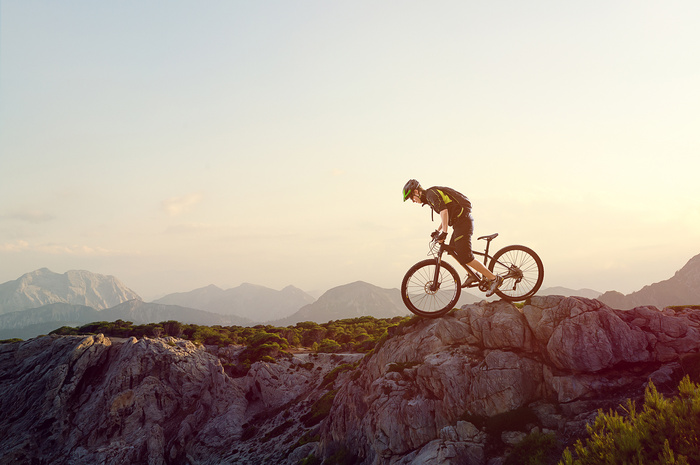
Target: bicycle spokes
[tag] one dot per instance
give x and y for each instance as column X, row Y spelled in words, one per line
column 425, row 295
column 521, row 269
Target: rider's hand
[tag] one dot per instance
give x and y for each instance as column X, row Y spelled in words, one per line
column 439, row 236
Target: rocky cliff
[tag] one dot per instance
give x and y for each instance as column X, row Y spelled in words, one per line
column 456, row 390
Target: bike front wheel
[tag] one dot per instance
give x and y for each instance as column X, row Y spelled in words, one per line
column 522, row 272
column 424, row 297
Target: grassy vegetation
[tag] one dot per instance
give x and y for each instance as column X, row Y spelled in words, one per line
column 351, row 335
column 684, row 307
column 263, row 342
column 319, row 410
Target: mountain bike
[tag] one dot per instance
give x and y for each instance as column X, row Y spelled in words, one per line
column 432, row 287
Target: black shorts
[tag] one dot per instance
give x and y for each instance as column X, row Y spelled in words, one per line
column 462, row 231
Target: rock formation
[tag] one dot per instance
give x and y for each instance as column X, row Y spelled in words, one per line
column 456, row 390
column 557, row 361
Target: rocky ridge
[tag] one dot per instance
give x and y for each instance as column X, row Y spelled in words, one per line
column 428, row 394
column 255, row 303
column 683, row 288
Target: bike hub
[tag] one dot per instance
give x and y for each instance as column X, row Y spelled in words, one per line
column 431, row 289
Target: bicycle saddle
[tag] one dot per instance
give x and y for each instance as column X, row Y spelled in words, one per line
column 490, row 238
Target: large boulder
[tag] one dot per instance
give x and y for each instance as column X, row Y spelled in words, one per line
column 85, row 400
column 560, row 358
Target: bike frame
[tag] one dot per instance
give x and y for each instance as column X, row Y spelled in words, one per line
column 450, row 251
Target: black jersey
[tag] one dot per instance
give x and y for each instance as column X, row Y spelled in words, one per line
column 440, row 198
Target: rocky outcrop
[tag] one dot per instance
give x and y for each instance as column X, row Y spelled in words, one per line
column 455, row 390
column 93, row 400
column 86, row 400
column 556, row 362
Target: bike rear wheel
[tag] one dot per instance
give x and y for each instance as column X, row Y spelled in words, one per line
column 422, row 298
column 522, row 270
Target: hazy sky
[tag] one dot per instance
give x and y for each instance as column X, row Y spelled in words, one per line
column 179, row 144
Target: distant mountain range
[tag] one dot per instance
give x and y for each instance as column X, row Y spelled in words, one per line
column 350, row 301
column 41, row 301
column 566, row 292
column 43, row 287
column 682, row 289
column 42, row 320
column 257, row 303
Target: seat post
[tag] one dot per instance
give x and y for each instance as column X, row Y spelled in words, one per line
column 488, row 243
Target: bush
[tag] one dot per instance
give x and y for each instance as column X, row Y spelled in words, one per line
column 665, row 432
column 319, row 410
column 360, row 335
column 330, row 377
column 328, row 346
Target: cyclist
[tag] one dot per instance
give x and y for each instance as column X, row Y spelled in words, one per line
column 454, row 210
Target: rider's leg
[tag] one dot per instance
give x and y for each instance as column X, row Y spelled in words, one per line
column 462, row 242
column 478, row 266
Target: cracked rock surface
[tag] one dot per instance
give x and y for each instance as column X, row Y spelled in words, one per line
column 431, row 392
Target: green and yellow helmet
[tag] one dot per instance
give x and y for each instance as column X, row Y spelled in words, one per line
column 408, row 189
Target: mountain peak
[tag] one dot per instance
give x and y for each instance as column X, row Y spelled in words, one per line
column 682, row 289
column 351, row 301
column 251, row 301
column 690, row 268
column 78, row 287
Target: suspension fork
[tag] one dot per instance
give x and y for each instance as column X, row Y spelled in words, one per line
column 438, row 261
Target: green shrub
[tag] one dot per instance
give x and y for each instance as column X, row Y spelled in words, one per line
column 66, row 331
column 665, row 432
column 360, row 335
column 331, row 376
column 328, row 346
column 319, row 410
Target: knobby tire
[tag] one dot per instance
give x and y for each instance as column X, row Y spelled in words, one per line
column 416, row 293
column 528, row 262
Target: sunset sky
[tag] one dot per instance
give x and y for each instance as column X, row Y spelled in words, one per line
column 180, row 144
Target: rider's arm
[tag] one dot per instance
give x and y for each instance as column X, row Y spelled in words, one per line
column 445, row 218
